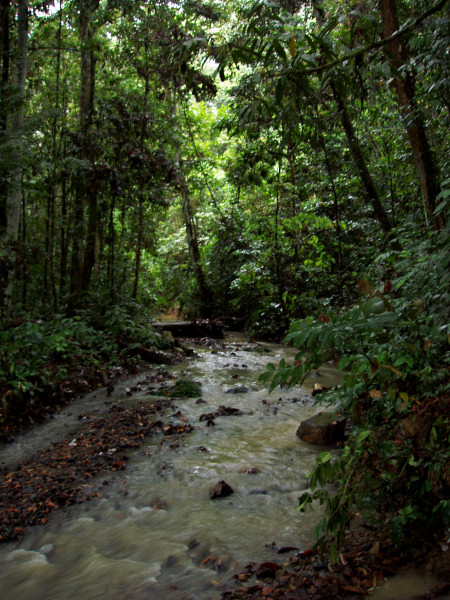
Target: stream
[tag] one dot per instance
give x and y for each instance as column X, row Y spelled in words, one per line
column 156, row 534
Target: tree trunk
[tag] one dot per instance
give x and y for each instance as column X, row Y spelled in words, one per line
column 354, row 145
column 111, row 245
column 4, row 77
column 360, row 162
column 191, row 237
column 404, row 84
column 196, row 328
column 82, row 262
column 91, row 245
column 90, row 191
column 14, row 195
column 63, row 261
column 4, row 58
column 281, row 289
column 140, row 212
column 194, row 251
column 140, row 235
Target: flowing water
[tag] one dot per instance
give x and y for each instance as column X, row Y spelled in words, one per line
column 157, row 535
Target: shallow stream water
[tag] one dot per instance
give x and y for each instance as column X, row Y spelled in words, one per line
column 156, row 535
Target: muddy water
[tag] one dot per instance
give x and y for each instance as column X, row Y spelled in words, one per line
column 155, row 534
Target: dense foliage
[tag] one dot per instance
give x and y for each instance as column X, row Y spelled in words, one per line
column 278, row 161
column 393, row 348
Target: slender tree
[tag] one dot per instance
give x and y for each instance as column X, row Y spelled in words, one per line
column 354, row 143
column 5, row 9
column 14, row 194
column 404, row 83
column 83, row 257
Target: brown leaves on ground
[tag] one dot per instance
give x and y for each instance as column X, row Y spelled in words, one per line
column 309, row 575
column 63, row 474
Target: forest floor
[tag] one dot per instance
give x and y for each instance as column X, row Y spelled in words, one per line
column 65, row 474
column 366, row 561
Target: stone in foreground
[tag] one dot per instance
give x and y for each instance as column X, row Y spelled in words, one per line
column 324, row 429
column 220, row 490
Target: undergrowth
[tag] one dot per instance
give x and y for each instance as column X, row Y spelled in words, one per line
column 394, row 354
column 37, row 356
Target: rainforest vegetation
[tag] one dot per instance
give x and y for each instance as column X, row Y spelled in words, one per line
column 283, row 162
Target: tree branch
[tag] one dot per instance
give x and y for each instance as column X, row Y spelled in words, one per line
column 375, row 45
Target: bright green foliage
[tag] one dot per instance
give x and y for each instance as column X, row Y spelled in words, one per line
column 394, row 356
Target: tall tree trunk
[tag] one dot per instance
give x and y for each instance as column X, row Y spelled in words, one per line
column 191, row 235
column 281, row 288
column 194, row 250
column 90, row 191
column 360, row 161
column 404, row 84
column 14, row 195
column 140, row 211
column 111, row 245
column 91, row 245
column 5, row 6
column 63, row 242
column 51, row 183
column 354, row 145
column 140, row 235
column 82, row 263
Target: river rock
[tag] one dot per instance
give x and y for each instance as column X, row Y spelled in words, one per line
column 47, row 549
column 239, row 389
column 267, row 570
column 249, row 470
column 323, row 429
column 220, row 490
column 227, row 411
column 207, row 417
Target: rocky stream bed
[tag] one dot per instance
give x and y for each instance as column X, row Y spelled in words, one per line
column 87, row 464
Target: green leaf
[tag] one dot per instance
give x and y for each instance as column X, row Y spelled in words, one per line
column 279, row 50
column 280, row 89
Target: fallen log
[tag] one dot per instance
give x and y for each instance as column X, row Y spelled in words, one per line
column 195, row 328
column 152, row 356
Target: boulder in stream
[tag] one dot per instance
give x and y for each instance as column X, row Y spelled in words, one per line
column 239, row 389
column 220, row 490
column 323, row 429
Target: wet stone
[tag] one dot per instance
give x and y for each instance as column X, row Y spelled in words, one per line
column 267, row 570
column 220, row 490
column 239, row 389
column 171, row 562
column 322, row 429
column 47, row 550
column 249, row 470
column 206, row 417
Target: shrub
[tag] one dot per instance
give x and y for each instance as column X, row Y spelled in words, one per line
column 394, row 357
